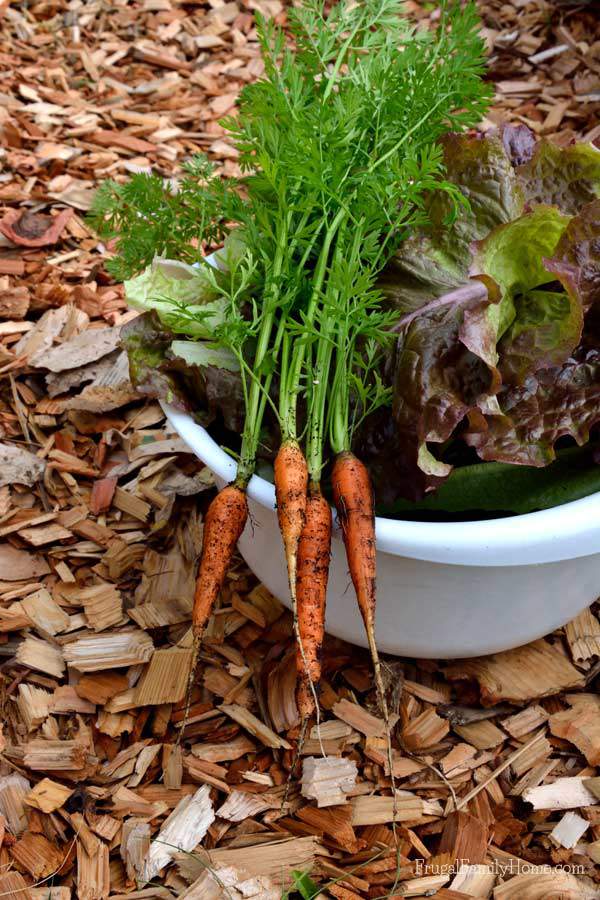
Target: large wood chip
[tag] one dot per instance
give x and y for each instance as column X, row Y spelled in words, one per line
column 537, row 886
column 85, row 348
column 226, row 751
column 425, row 730
column 34, row 705
column 102, row 605
column 465, row 838
column 564, row 793
column 41, row 655
column 44, row 612
column 93, row 871
column 109, row 651
column 20, row 565
column 526, row 673
column 380, row 810
column 181, row 831
column 14, row 789
column 581, row 726
column 357, row 717
column 166, row 678
column 569, row 831
column 274, row 860
column 327, row 780
column 19, row 466
column 583, row 636
column 48, row 795
column 13, row 885
column 36, row 855
column 240, row 806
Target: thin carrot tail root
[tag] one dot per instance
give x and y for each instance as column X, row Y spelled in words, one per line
column 295, row 761
column 353, row 498
column 224, row 522
column 196, row 643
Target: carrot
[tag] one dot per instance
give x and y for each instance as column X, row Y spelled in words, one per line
column 223, row 525
column 291, row 482
column 353, row 498
column 314, row 551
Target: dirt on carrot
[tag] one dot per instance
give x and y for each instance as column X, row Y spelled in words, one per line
column 223, row 525
column 313, row 571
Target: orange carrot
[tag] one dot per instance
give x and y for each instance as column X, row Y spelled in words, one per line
column 353, row 498
column 313, row 571
column 223, row 524
column 291, row 482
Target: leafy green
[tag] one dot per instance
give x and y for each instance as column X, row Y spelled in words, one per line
column 537, row 327
column 435, row 259
column 498, row 373
column 149, row 216
column 165, row 369
column 576, row 259
column 204, row 354
column 567, row 177
column 545, row 331
column 183, row 297
column 563, row 401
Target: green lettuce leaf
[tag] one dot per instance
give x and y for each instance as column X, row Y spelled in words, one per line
column 538, row 327
column 513, row 254
column 202, row 381
column 545, row 331
column 203, row 354
column 436, row 259
column 567, row 177
column 184, row 297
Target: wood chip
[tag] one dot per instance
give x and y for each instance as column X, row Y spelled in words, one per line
column 537, row 670
column 256, row 728
column 327, row 780
column 110, row 651
column 48, row 795
column 181, row 831
column 166, row 678
column 564, row 793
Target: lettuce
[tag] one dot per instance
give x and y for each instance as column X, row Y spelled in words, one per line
column 507, row 371
column 198, row 377
column 184, row 297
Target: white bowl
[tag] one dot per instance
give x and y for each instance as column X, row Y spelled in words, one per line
column 444, row 590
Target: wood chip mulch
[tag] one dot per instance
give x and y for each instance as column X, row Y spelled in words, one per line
column 100, row 527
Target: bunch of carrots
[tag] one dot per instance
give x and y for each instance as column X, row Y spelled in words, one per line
column 338, row 144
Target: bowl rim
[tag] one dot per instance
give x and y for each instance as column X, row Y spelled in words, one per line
column 569, row 531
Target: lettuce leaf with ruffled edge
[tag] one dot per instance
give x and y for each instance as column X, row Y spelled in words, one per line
column 517, row 362
column 183, row 296
column 193, row 376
